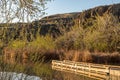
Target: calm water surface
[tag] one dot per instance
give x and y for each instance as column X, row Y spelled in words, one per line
column 58, row 75
column 17, row 76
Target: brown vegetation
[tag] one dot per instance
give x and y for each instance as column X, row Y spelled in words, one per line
column 92, row 57
column 98, row 43
column 96, row 39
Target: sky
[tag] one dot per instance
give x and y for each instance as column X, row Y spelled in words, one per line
column 67, row 6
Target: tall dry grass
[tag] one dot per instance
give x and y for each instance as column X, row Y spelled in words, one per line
column 80, row 56
column 93, row 57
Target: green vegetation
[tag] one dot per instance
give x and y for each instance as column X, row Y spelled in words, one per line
column 29, row 47
column 96, row 41
column 101, row 34
column 43, row 42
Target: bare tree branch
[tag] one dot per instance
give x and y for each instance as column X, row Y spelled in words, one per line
column 21, row 10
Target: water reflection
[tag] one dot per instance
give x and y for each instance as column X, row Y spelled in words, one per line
column 57, row 75
column 69, row 76
column 113, row 77
column 63, row 75
column 17, row 76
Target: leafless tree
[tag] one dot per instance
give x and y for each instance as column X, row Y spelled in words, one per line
column 21, row 10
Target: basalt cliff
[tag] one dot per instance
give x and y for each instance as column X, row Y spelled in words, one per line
column 54, row 23
column 57, row 24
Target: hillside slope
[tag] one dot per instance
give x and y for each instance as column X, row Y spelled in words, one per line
column 59, row 23
column 54, row 22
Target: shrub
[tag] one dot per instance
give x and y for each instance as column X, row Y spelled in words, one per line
column 103, row 36
column 17, row 44
column 43, row 42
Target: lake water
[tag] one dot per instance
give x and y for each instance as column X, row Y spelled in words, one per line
column 42, row 72
column 58, row 75
column 76, row 76
column 17, row 76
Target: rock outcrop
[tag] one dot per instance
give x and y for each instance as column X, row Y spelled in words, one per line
column 57, row 24
column 54, row 23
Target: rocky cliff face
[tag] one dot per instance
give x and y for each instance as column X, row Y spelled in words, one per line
column 101, row 10
column 54, row 23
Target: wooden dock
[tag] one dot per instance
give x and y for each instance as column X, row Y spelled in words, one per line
column 97, row 71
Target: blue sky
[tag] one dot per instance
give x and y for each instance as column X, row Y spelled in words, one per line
column 66, row 6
